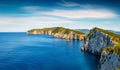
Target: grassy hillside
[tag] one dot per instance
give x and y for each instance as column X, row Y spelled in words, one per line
column 58, row 29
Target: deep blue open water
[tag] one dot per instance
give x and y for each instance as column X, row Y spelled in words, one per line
column 21, row 51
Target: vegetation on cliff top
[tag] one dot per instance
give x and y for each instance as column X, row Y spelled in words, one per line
column 58, row 29
column 113, row 49
column 119, row 68
column 114, row 37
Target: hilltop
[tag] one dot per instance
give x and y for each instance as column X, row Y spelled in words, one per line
column 60, row 32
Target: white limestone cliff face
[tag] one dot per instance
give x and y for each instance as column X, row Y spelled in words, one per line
column 110, row 61
column 71, row 35
column 95, row 43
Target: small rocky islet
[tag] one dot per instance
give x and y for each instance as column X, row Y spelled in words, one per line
column 100, row 42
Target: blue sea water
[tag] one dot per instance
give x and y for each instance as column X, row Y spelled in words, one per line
column 21, row 51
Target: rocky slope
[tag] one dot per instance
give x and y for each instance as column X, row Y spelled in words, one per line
column 60, row 32
column 105, row 44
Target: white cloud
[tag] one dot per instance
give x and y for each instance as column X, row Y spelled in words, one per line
column 32, row 20
column 37, row 20
column 31, row 8
column 82, row 13
column 75, row 4
column 68, row 4
column 73, row 14
column 26, row 23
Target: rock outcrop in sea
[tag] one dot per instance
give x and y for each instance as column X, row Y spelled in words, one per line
column 106, row 45
column 60, row 32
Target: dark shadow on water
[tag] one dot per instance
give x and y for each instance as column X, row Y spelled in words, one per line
column 92, row 60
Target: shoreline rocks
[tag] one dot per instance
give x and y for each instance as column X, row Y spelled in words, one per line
column 60, row 32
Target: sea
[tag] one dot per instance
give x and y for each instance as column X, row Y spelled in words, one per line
column 22, row 51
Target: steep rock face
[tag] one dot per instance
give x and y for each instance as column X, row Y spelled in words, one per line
column 60, row 32
column 110, row 61
column 110, row 58
column 96, row 41
column 107, row 46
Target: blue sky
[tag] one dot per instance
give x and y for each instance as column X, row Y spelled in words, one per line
column 22, row 15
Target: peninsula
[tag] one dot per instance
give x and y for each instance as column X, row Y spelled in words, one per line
column 106, row 45
column 60, row 32
column 100, row 42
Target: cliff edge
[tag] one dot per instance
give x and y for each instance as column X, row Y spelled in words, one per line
column 60, row 32
column 106, row 45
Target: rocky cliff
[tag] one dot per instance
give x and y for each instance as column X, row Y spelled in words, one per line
column 60, row 32
column 109, row 61
column 105, row 44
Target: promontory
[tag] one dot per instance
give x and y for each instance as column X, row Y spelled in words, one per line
column 106, row 45
column 60, row 32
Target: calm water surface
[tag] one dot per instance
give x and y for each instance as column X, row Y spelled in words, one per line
column 21, row 51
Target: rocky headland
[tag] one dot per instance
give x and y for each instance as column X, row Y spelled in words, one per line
column 106, row 45
column 100, row 42
column 60, row 32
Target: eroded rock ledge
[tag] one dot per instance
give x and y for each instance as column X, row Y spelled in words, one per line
column 60, row 32
column 105, row 44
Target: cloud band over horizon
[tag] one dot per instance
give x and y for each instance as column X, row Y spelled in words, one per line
column 65, row 13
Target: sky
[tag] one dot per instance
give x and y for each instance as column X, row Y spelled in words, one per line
column 22, row 15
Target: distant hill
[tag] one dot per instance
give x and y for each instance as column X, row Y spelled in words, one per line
column 83, row 30
column 60, row 32
column 117, row 32
column 87, row 31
